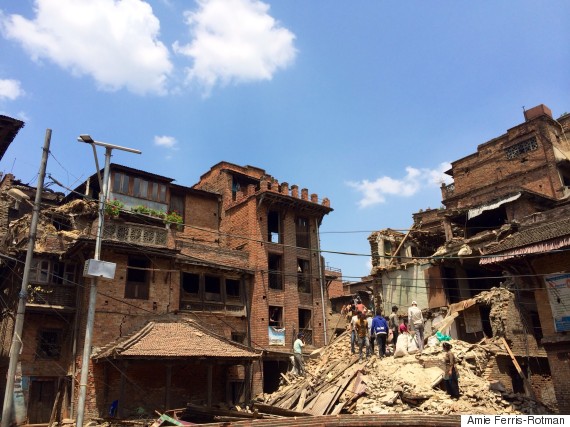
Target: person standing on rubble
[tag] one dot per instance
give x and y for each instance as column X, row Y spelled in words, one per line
column 394, row 324
column 353, row 330
column 372, row 336
column 416, row 320
column 380, row 328
column 450, row 374
column 361, row 307
column 298, row 353
column 363, row 332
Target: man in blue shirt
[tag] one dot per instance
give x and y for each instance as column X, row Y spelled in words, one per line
column 298, row 353
column 380, row 328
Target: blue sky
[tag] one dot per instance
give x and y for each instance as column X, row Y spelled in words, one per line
column 361, row 102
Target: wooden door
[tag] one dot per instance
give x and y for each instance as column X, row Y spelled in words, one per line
column 42, row 398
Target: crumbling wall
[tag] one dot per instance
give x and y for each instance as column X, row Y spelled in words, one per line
column 501, row 369
column 510, row 320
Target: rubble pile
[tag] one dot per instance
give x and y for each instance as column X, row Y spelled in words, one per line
column 336, row 382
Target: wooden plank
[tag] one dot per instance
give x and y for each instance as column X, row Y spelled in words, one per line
column 285, row 377
column 279, row 395
column 447, row 321
column 57, row 403
column 288, row 403
column 395, row 254
column 329, row 397
column 336, row 410
column 273, row 410
column 302, row 399
column 527, row 386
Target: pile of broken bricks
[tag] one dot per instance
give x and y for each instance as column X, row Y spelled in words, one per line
column 335, row 382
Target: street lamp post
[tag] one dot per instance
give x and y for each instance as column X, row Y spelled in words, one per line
column 103, row 194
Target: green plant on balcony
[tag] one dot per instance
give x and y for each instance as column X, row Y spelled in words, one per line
column 113, row 208
column 173, row 217
column 145, row 210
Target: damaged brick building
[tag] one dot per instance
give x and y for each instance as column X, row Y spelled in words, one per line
column 202, row 308
column 503, row 223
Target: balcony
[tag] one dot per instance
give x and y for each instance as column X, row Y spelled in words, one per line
column 51, row 295
column 135, row 234
column 234, row 309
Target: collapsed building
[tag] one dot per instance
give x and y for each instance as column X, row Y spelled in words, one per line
column 336, row 381
column 212, row 283
column 503, row 223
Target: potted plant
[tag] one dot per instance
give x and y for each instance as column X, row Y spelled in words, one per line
column 174, row 217
column 113, row 208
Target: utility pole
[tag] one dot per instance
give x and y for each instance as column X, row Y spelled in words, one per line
column 103, row 195
column 23, row 296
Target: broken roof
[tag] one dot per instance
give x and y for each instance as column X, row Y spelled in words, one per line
column 543, row 237
column 174, row 340
column 9, row 128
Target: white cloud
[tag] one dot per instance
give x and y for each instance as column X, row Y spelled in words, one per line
column 10, row 89
column 235, row 41
column 165, row 141
column 374, row 192
column 115, row 42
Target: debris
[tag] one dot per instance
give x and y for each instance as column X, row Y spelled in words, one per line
column 336, row 383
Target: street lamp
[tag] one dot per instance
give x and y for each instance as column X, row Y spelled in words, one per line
column 103, row 195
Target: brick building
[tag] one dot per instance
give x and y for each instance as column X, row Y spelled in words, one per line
column 277, row 226
column 497, row 196
column 238, row 260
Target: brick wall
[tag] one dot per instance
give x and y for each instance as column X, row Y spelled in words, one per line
column 517, row 327
column 501, row 368
column 335, row 288
column 488, row 174
column 34, row 361
column 241, row 216
column 557, row 344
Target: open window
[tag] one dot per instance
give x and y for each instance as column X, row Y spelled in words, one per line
column 303, row 275
column 233, row 289
column 305, row 324
column 137, row 286
column 201, row 291
column 275, row 267
column 276, row 316
column 191, row 285
column 49, row 344
column 212, row 288
column 302, row 232
column 238, row 337
column 274, row 233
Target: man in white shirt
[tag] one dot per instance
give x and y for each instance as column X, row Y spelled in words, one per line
column 416, row 320
column 298, row 353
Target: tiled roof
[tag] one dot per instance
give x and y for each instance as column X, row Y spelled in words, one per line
column 540, row 233
column 182, row 339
